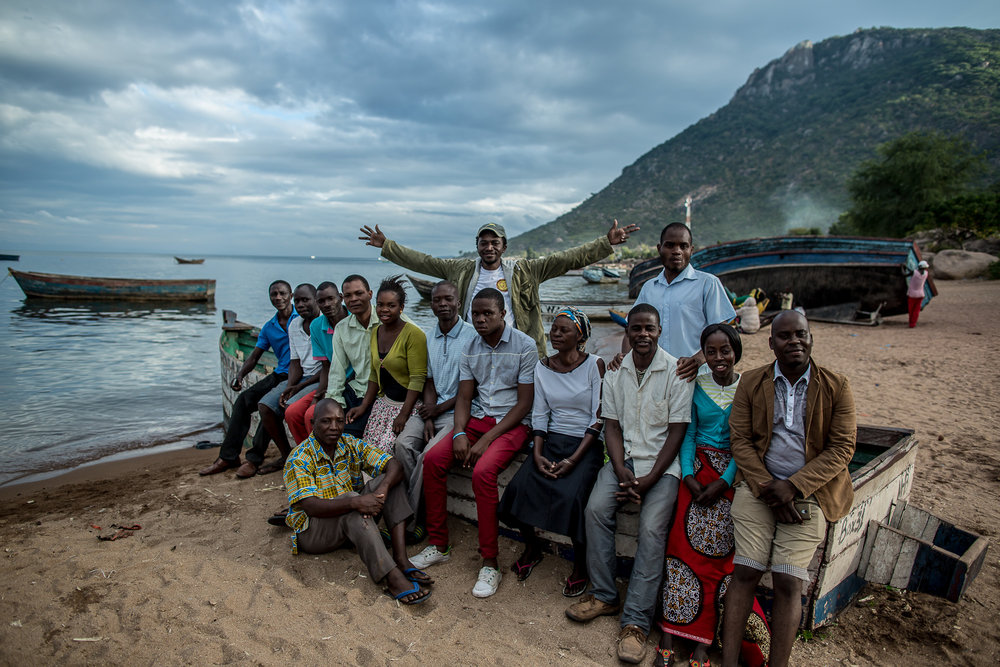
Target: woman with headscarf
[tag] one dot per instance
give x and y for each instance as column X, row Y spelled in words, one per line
column 550, row 491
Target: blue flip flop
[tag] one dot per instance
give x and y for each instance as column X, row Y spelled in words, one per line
column 427, row 581
column 416, row 589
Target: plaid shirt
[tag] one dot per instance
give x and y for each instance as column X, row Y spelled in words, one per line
column 310, row 472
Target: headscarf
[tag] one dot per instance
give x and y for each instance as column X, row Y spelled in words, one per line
column 582, row 322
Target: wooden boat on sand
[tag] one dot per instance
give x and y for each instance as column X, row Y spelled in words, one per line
column 52, row 285
column 835, row 278
column 181, row 260
column 882, row 539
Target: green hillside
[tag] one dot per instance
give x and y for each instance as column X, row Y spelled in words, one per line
column 779, row 154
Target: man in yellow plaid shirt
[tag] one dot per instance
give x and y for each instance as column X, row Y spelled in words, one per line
column 331, row 503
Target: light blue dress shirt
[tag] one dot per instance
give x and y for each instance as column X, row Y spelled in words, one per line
column 687, row 305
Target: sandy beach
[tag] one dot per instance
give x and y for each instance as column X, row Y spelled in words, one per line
column 207, row 581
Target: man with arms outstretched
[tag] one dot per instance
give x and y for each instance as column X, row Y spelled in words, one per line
column 517, row 280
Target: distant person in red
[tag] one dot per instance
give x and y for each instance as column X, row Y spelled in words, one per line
column 915, row 292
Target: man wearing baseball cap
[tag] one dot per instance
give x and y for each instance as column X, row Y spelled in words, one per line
column 516, row 279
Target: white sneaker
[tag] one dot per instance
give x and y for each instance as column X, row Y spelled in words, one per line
column 430, row 556
column 487, row 583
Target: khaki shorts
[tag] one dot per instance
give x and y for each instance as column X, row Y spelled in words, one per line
column 761, row 541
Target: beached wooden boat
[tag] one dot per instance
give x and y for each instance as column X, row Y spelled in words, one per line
column 181, row 260
column 10, row 258
column 882, row 539
column 49, row 285
column 599, row 275
column 835, row 278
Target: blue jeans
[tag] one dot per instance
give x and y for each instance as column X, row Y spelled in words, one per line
column 655, row 513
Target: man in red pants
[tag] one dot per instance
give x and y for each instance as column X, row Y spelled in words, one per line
column 495, row 392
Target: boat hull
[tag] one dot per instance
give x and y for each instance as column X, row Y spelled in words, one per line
column 181, row 260
column 820, row 271
column 51, row 285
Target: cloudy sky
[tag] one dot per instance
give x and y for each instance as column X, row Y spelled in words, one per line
column 260, row 127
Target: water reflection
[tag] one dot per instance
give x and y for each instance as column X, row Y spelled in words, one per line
column 74, row 311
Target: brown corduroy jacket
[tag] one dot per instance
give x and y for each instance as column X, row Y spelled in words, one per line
column 831, row 433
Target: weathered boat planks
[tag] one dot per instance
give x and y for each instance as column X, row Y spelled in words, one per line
column 53, row 285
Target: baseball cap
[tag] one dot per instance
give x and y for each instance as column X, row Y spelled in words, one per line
column 494, row 227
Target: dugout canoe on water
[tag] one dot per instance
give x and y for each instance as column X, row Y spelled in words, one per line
column 54, row 285
column 883, row 539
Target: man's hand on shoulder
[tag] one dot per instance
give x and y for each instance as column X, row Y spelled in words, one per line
column 372, row 237
column 616, row 362
column 618, row 235
column 687, row 367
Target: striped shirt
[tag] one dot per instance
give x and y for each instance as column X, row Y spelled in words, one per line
column 444, row 355
column 498, row 370
column 311, row 473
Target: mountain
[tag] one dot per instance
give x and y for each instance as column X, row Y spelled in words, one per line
column 779, row 154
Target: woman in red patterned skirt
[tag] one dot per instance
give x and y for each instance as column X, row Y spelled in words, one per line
column 699, row 559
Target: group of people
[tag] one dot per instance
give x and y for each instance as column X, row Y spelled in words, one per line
column 732, row 475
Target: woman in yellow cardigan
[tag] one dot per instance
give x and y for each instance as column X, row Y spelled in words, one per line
column 399, row 368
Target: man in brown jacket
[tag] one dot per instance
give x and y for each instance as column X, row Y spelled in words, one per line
column 792, row 430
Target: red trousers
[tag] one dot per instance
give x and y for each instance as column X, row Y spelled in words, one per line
column 913, row 305
column 494, row 460
column 299, row 416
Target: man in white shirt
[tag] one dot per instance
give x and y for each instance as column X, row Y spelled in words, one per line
column 646, row 407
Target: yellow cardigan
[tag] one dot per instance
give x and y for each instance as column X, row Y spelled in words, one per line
column 406, row 360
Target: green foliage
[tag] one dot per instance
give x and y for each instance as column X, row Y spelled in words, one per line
column 780, row 153
column 993, row 271
column 894, row 194
column 979, row 211
column 805, row 231
column 638, row 251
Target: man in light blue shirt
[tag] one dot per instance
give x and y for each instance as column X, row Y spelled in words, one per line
column 445, row 345
column 688, row 300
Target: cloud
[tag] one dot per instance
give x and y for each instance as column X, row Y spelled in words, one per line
column 155, row 122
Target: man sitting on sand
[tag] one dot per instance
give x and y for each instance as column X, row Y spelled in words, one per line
column 792, row 431
column 332, row 505
column 273, row 335
column 497, row 369
column 516, row 279
column 646, row 408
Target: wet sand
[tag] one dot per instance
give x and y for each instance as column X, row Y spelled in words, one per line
column 206, row 580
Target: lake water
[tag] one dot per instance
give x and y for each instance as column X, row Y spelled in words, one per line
column 85, row 380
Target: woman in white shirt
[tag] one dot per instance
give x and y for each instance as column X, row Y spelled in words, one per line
column 550, row 491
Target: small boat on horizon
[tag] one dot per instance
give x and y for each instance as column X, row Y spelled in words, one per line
column 54, row 285
column 181, row 260
column 10, row 258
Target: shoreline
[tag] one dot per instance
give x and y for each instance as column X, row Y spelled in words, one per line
column 206, row 580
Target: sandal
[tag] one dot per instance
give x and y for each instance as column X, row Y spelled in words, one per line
column 664, row 657
column 523, row 570
column 424, row 580
column 416, row 589
column 575, row 587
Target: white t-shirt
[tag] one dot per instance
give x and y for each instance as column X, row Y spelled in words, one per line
column 300, row 347
column 496, row 280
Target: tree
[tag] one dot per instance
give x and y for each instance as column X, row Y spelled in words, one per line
column 892, row 194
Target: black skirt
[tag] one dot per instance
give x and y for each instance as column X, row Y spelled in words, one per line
column 555, row 505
